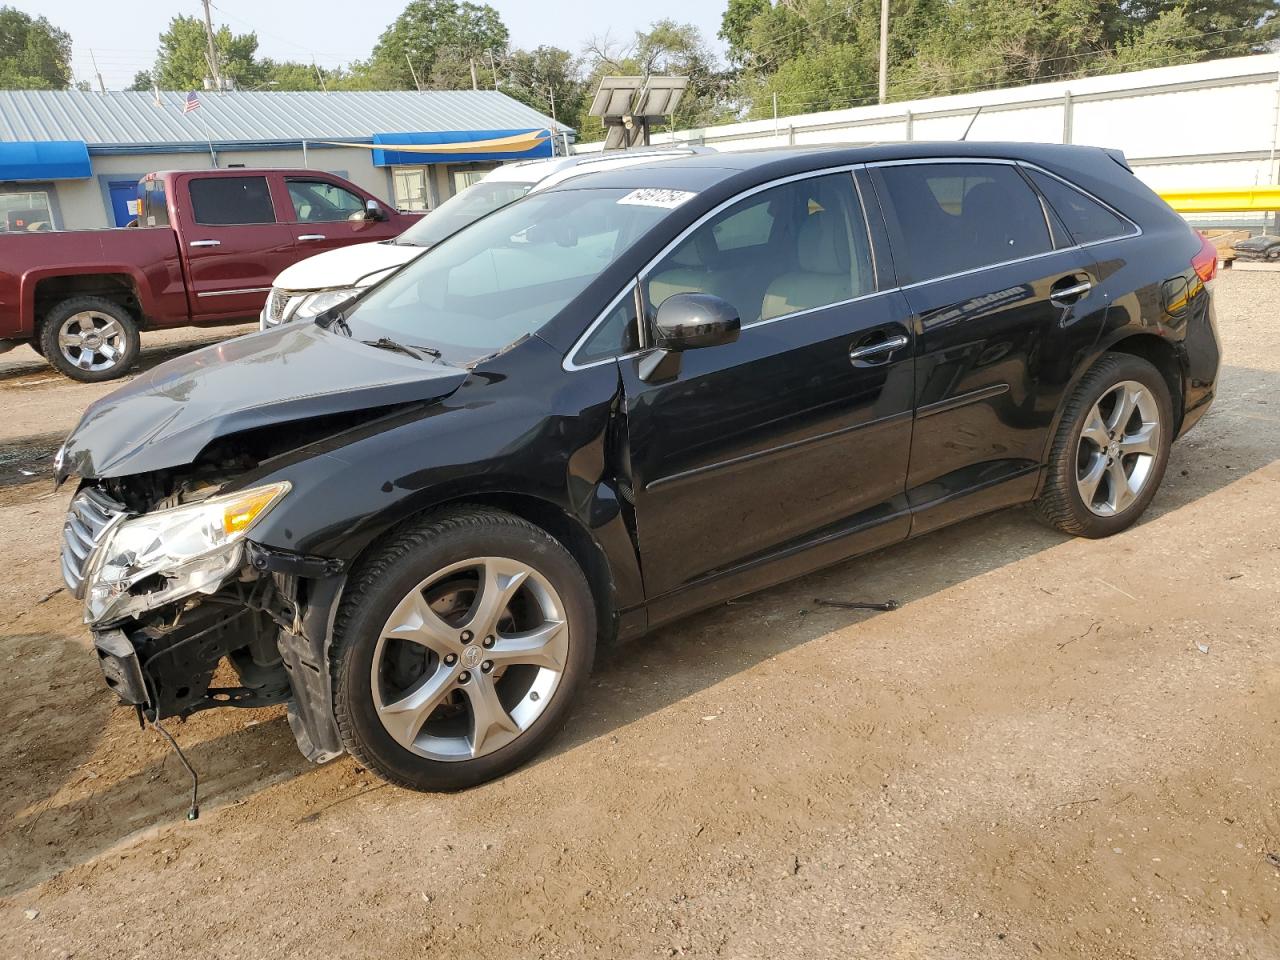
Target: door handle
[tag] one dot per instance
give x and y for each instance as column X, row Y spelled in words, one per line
column 1064, row 296
column 312, row 236
column 205, row 243
column 888, row 345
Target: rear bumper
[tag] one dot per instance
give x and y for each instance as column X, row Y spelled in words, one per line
column 1202, row 359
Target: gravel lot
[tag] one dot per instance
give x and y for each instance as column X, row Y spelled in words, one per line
column 1056, row 748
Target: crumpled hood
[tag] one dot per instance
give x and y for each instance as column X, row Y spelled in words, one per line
column 165, row 417
column 354, row 266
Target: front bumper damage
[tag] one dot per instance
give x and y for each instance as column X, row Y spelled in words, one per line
column 270, row 623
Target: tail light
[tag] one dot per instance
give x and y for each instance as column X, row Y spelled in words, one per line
column 1205, row 262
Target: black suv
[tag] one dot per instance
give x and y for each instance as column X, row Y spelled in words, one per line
column 618, row 401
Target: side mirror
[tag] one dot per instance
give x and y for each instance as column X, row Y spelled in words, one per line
column 373, row 210
column 687, row 321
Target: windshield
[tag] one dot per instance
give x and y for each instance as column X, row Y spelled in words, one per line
column 506, row 275
column 461, row 210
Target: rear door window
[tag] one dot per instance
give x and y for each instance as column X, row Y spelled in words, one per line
column 1087, row 220
column 226, row 201
column 948, row 218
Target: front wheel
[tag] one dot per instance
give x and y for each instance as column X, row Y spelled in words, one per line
column 1111, row 449
column 459, row 648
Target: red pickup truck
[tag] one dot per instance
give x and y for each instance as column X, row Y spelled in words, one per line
column 204, row 250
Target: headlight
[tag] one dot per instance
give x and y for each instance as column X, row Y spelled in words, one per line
column 318, row 303
column 163, row 556
column 285, row 305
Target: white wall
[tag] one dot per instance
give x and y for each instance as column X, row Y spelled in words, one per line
column 1203, row 124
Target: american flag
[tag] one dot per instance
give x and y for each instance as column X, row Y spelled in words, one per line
column 193, row 103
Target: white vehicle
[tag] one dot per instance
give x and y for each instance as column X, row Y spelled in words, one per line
column 311, row 286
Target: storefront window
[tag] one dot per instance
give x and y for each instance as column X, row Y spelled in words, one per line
column 465, row 178
column 26, row 211
column 410, row 185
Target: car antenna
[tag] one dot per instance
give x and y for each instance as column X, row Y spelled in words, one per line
column 965, row 135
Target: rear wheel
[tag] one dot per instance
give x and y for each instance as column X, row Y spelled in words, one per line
column 1111, row 449
column 90, row 339
column 459, row 648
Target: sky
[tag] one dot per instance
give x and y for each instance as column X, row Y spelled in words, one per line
column 122, row 34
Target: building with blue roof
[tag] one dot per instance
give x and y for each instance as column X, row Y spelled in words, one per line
column 71, row 159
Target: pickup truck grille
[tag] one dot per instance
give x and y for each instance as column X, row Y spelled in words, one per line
column 91, row 515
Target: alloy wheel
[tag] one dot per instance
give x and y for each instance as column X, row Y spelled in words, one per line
column 1118, row 448
column 469, row 659
column 92, row 340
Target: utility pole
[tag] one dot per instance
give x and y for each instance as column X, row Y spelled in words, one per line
column 884, row 50
column 323, row 89
column 551, row 92
column 212, row 55
column 494, row 67
column 97, row 73
column 475, row 80
column 414, row 73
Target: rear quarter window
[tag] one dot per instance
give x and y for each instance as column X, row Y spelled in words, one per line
column 1087, row 220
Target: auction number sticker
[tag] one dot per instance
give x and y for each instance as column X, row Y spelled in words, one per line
column 653, row 197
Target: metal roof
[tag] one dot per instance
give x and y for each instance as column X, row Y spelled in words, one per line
column 127, row 118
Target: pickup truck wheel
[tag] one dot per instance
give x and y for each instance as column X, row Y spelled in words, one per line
column 459, row 648
column 90, row 339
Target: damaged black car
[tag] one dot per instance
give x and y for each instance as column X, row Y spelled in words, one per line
column 613, row 403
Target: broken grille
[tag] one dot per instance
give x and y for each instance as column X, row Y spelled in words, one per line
column 91, row 515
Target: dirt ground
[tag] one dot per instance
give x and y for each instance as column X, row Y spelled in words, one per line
column 1055, row 748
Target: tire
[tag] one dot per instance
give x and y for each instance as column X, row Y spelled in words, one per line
column 389, row 648
column 1121, row 477
column 112, row 346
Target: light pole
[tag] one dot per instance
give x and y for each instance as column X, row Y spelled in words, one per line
column 884, row 50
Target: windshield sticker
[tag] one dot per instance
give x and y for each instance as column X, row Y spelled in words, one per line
column 653, row 197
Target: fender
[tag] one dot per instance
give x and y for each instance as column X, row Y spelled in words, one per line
column 1125, row 322
column 159, row 289
column 551, row 455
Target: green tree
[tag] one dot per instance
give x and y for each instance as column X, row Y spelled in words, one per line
column 34, row 54
column 141, row 81
column 543, row 75
column 822, row 54
column 294, row 75
column 432, row 43
column 735, row 27
column 182, row 61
